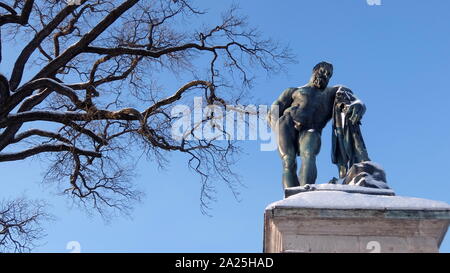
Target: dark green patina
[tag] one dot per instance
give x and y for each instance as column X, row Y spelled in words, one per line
column 302, row 114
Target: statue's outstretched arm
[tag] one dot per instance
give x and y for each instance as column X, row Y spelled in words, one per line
column 283, row 102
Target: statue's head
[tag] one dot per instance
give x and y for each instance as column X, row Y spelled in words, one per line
column 321, row 75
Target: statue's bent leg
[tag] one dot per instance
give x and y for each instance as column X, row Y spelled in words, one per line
column 287, row 147
column 309, row 144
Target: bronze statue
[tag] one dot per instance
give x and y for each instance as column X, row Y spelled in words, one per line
column 303, row 113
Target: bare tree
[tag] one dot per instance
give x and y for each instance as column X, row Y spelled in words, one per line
column 21, row 224
column 85, row 89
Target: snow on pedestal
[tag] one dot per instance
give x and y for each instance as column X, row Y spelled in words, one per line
column 332, row 218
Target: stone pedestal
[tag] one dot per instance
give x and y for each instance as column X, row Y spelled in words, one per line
column 338, row 221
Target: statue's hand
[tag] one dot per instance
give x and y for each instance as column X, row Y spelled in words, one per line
column 356, row 112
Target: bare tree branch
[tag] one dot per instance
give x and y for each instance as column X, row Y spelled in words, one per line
column 38, row 132
column 13, row 18
column 45, row 149
column 90, row 82
column 78, row 47
column 21, row 224
column 34, row 43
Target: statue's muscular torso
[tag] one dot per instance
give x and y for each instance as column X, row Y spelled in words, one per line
column 312, row 108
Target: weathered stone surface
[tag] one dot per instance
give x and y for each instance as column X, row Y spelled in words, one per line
column 298, row 226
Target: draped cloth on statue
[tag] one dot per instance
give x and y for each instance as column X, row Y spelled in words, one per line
column 348, row 145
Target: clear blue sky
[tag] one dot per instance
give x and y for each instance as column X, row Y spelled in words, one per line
column 395, row 57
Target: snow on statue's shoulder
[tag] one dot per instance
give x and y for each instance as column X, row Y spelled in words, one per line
column 341, row 197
